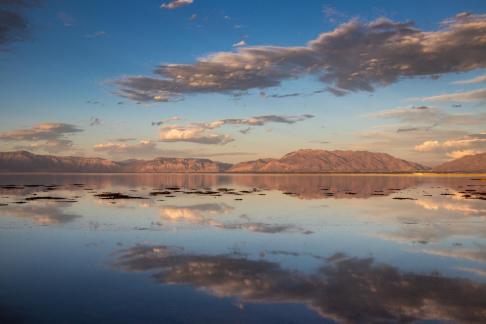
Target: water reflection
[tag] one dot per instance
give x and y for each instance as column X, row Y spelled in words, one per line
column 301, row 186
column 344, row 288
column 207, row 214
column 41, row 214
column 196, row 214
column 264, row 228
column 477, row 253
column 264, row 240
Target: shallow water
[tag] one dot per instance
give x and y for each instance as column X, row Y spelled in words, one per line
column 242, row 248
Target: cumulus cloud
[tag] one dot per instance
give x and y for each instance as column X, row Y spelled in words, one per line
column 143, row 148
column 124, row 148
column 200, row 132
column 241, row 43
column 356, row 56
column 174, row 4
column 193, row 133
column 51, row 146
column 411, row 127
column 457, row 147
column 402, row 144
column 468, row 96
column 463, row 153
column 50, row 137
column 427, row 146
column 44, row 131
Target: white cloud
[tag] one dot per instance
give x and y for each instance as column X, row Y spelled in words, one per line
column 200, row 132
column 427, row 146
column 192, row 133
column 460, row 154
column 174, row 4
column 44, row 131
column 50, row 146
column 468, row 96
column 49, row 137
column 144, row 148
column 241, row 43
column 423, row 134
column 457, row 147
column 356, row 56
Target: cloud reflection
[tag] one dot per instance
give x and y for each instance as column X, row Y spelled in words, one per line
column 205, row 214
column 345, row 288
column 196, row 214
column 43, row 215
column 264, row 228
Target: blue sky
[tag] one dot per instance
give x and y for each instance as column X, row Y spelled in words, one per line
column 61, row 92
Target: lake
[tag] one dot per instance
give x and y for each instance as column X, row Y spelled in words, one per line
column 186, row 248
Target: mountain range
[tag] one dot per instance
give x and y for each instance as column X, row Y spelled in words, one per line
column 301, row 161
column 329, row 161
column 468, row 163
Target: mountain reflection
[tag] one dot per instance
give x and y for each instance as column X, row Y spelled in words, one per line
column 302, row 186
column 344, row 288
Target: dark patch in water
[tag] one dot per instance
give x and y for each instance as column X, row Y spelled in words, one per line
column 156, row 193
column 44, row 198
column 116, row 195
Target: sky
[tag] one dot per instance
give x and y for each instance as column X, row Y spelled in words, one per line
column 243, row 80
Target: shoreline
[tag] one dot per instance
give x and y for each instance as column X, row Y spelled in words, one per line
column 416, row 174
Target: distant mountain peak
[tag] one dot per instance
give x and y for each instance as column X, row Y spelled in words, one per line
column 468, row 163
column 311, row 160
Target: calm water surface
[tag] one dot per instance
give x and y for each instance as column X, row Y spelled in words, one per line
column 242, row 248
